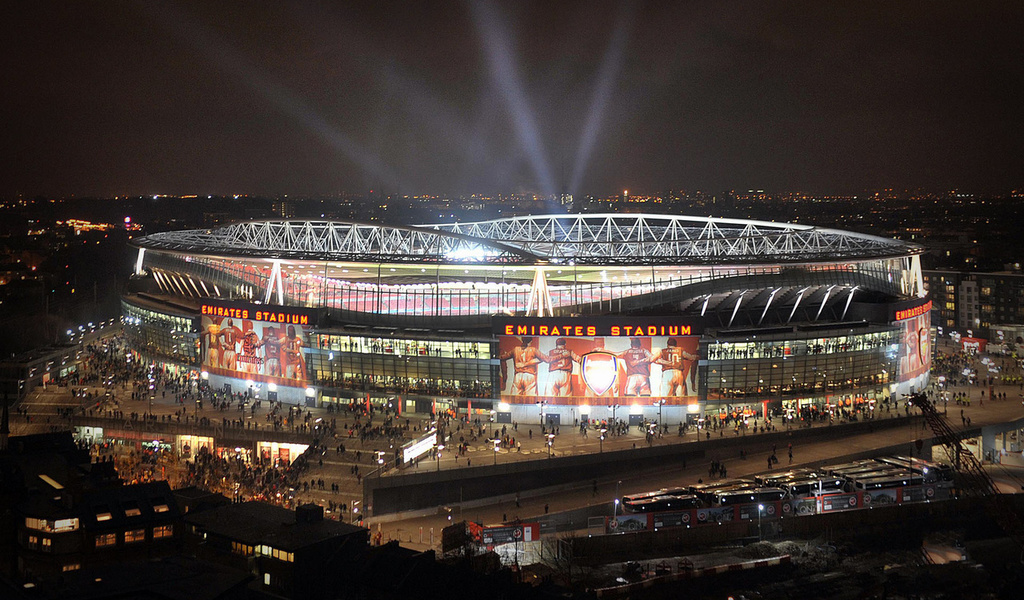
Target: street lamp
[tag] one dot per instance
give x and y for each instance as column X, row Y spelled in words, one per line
column 603, row 431
column 380, row 463
column 496, row 443
column 440, row 447
column 615, row 504
column 493, row 414
column 660, row 404
column 551, row 441
column 760, row 509
column 614, row 406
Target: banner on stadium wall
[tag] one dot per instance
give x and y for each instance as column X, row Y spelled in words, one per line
column 596, row 360
column 255, row 342
column 915, row 346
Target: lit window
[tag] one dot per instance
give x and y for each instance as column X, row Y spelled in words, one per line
column 106, row 539
column 132, row 511
column 47, row 544
column 162, row 531
column 104, row 515
column 33, row 542
column 134, row 535
column 160, row 508
column 62, row 525
column 71, row 567
column 38, row 524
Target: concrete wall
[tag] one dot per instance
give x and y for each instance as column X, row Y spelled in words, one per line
column 424, row 489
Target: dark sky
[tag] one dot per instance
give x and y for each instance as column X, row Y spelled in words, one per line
column 148, row 97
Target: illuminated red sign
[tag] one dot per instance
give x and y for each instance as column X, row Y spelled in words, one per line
column 584, row 327
column 268, row 316
column 917, row 311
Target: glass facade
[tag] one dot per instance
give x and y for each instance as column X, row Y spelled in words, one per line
column 817, row 371
column 158, row 334
column 341, row 362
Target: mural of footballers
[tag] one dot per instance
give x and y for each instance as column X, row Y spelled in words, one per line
column 230, row 336
column 638, row 368
column 272, row 352
column 255, row 350
column 560, row 361
column 676, row 368
column 598, row 369
column 293, row 363
column 250, row 360
column 525, row 358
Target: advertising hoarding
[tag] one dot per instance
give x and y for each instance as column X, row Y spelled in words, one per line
column 582, row 361
column 255, row 342
column 915, row 350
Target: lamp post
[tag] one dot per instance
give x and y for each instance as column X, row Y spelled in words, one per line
column 615, row 504
column 493, row 414
column 440, row 447
column 614, row 406
column 380, row 463
column 496, row 442
column 551, row 441
column 660, row 404
column 603, row 431
column 760, row 509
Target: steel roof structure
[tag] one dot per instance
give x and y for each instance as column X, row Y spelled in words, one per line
column 560, row 239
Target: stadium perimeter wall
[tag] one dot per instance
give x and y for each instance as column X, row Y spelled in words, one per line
column 422, row 490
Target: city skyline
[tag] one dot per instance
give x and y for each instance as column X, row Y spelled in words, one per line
column 448, row 98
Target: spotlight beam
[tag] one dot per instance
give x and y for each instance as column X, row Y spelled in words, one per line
column 236, row 65
column 505, row 75
column 611, row 64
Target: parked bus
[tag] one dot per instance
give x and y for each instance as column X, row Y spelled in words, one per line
column 931, row 472
column 755, row 495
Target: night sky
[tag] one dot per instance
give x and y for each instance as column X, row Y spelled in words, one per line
column 153, row 97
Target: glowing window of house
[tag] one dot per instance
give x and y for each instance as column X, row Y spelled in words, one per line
column 160, row 508
column 162, row 531
column 62, row 525
column 106, row 539
column 134, row 535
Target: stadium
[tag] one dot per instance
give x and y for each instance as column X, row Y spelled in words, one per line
column 556, row 318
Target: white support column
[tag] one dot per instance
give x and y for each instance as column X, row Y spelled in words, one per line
column 275, row 276
column 736, row 308
column 828, row 292
column 768, row 304
column 848, row 301
column 539, row 298
column 796, row 304
column 138, row 261
column 280, row 286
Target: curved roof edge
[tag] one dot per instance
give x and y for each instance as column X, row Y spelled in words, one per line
column 607, row 238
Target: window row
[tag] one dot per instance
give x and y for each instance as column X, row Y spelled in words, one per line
column 131, row 536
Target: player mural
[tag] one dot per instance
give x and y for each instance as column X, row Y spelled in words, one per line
column 915, row 352
column 649, row 361
column 251, row 343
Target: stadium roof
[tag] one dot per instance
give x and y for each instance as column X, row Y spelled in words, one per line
column 557, row 239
